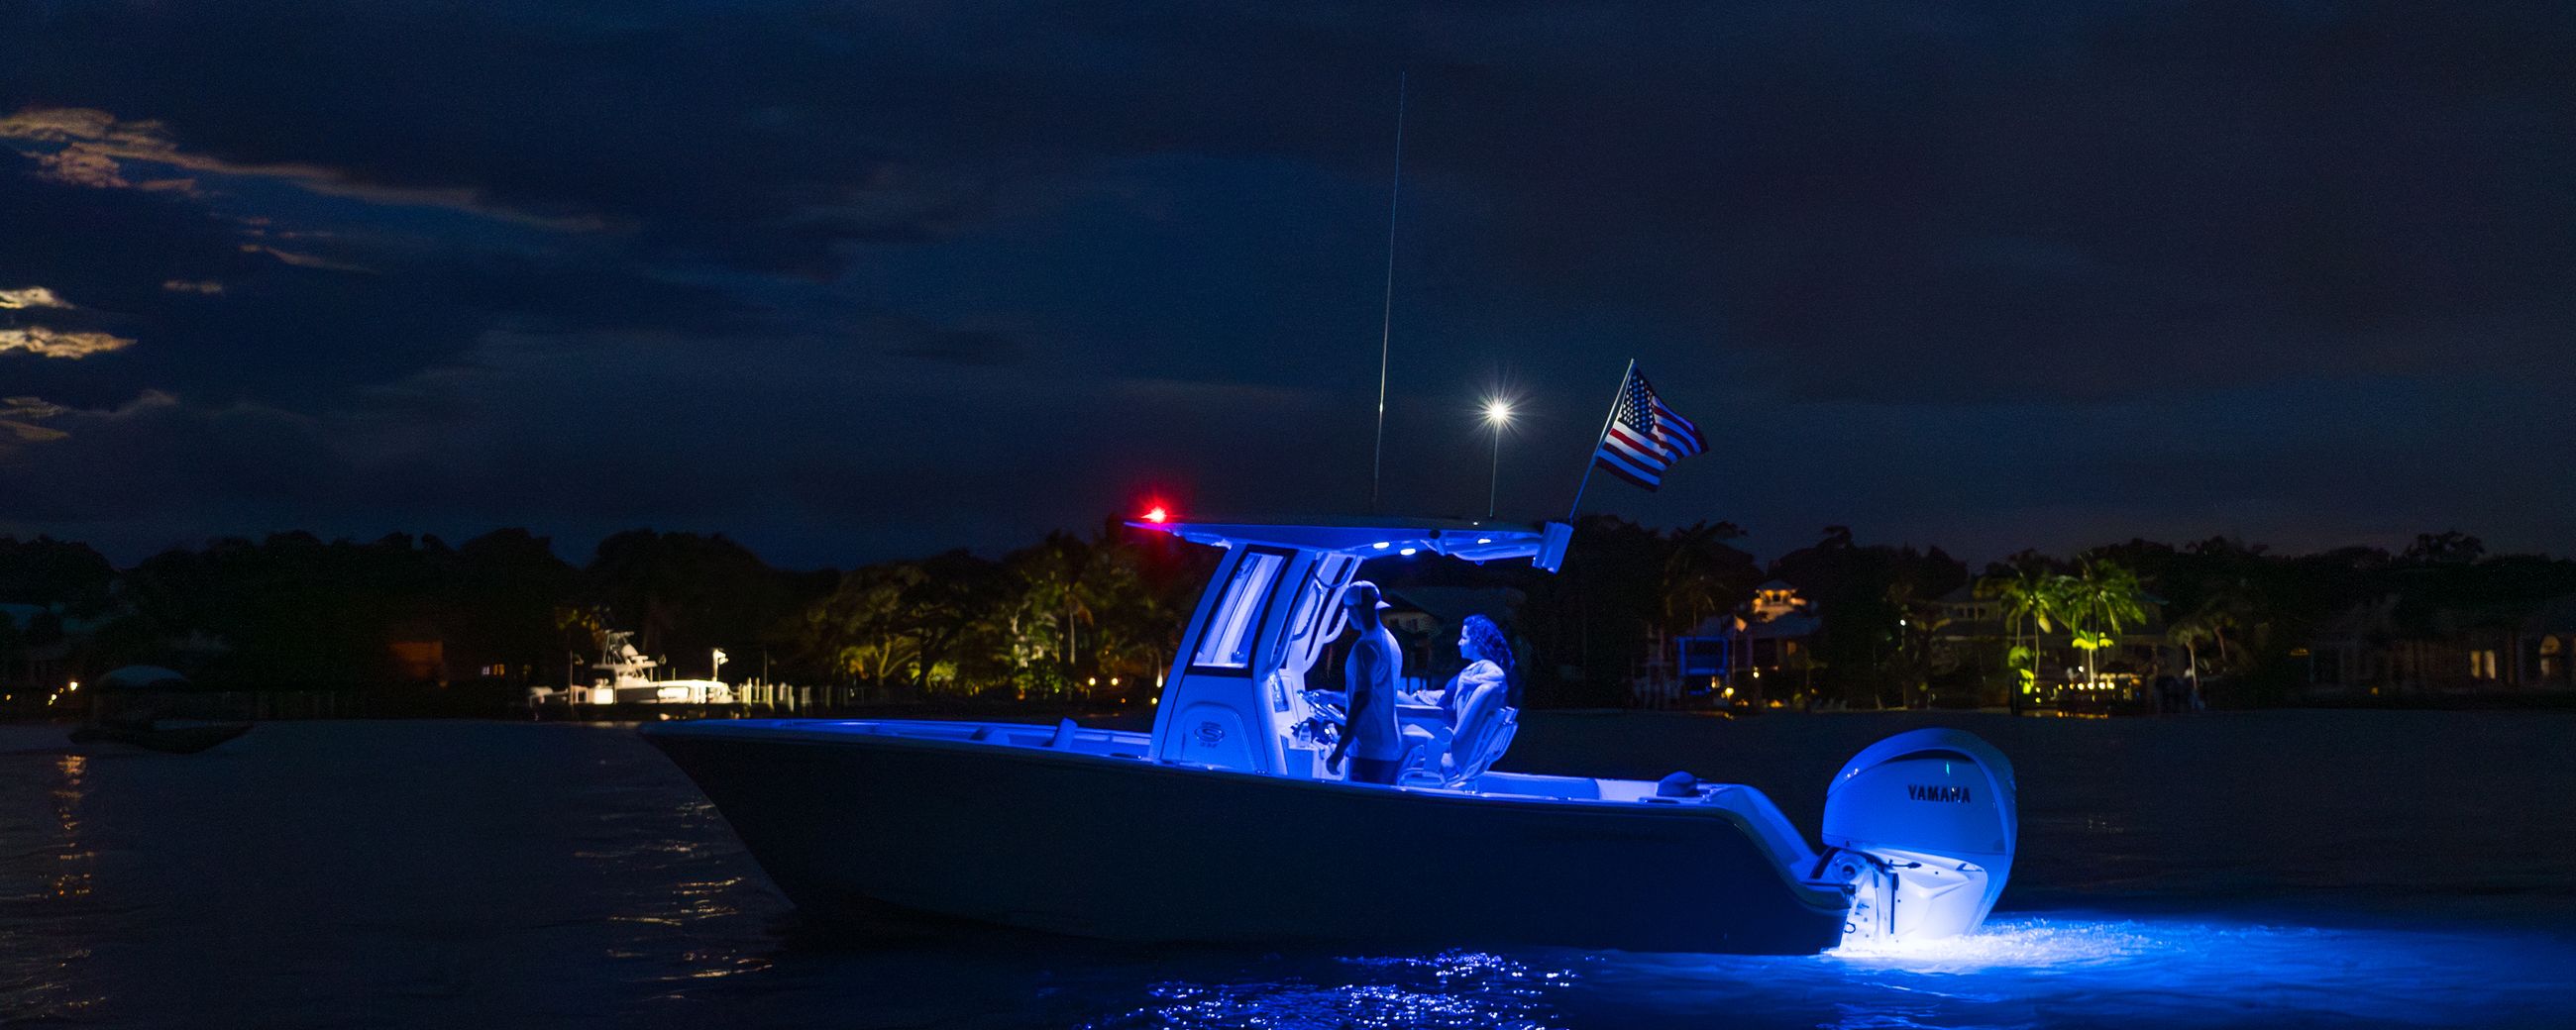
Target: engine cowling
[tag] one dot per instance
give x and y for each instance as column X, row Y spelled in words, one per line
column 1924, row 827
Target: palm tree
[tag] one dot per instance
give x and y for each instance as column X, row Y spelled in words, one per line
column 1697, row 580
column 2101, row 598
column 2229, row 604
column 2190, row 631
column 1054, row 572
column 2032, row 597
column 1919, row 625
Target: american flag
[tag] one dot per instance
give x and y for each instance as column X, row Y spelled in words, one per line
column 1645, row 437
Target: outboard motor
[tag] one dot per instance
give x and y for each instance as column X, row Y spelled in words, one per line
column 1923, row 826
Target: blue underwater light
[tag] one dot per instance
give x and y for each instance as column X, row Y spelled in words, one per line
column 2024, row 971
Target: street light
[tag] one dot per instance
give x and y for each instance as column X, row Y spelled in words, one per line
column 1498, row 414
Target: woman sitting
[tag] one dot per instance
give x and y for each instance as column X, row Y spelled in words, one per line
column 1481, row 692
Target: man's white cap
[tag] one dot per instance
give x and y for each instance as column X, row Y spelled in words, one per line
column 1363, row 592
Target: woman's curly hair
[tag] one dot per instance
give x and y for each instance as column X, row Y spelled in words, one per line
column 1497, row 649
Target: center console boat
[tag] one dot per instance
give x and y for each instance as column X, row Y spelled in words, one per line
column 1223, row 823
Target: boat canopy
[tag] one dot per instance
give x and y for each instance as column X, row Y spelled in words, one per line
column 1478, row 542
column 1235, row 697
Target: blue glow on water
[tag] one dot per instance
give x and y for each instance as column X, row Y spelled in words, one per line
column 2019, row 972
column 1450, row 989
column 505, row 875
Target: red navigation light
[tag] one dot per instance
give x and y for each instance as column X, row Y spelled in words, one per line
column 1157, row 514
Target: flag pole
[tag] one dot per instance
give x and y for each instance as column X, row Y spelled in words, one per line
column 1593, row 456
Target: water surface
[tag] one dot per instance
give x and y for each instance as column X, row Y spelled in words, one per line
column 2265, row 869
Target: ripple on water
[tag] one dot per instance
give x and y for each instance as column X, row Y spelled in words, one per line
column 2029, row 971
column 2020, row 972
column 1449, row 989
column 487, row 874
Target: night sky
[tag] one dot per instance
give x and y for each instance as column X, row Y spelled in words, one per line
column 859, row 281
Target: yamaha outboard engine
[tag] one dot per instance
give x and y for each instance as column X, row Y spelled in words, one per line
column 1922, row 826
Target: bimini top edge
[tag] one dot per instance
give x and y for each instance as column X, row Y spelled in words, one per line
column 1480, row 542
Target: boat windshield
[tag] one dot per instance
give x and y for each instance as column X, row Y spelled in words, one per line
column 1227, row 644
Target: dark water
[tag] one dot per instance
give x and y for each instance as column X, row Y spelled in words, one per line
column 2276, row 869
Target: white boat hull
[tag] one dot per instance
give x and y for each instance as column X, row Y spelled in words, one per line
column 848, row 816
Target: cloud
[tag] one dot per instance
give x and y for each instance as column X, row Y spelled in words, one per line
column 18, row 416
column 1844, row 229
column 91, row 144
column 82, row 165
column 32, row 297
column 44, row 342
column 206, row 287
column 302, row 260
column 155, row 457
column 80, row 124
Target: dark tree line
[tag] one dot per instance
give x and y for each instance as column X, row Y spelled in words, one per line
column 1068, row 617
column 1096, row 616
column 2241, row 612
column 293, row 612
column 1627, row 589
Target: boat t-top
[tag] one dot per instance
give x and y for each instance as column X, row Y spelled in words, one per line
column 629, row 678
column 1225, row 824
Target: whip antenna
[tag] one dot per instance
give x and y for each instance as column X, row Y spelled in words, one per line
column 1386, row 319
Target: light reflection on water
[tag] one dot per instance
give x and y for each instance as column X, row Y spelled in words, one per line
column 59, row 878
column 2019, row 972
column 497, row 874
column 663, row 849
column 1451, row 989
column 73, row 878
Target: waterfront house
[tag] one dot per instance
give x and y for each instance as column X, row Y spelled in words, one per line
column 1761, row 651
column 2385, row 647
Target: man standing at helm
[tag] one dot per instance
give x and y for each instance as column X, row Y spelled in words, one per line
column 1376, row 664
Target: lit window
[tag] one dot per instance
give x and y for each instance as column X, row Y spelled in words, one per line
column 1227, row 643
